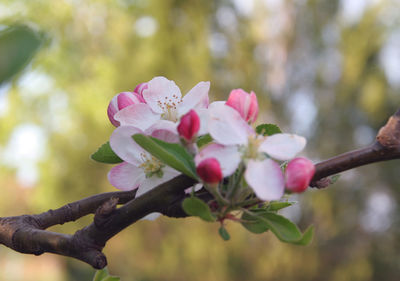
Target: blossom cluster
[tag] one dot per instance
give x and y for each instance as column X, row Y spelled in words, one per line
column 235, row 156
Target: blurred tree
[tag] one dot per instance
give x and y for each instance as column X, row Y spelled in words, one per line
column 324, row 69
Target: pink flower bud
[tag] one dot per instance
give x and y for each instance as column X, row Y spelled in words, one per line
column 140, row 88
column 298, row 174
column 121, row 101
column 209, row 171
column 189, row 125
column 246, row 104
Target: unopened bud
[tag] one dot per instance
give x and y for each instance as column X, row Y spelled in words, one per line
column 121, row 101
column 298, row 174
column 189, row 126
column 209, row 170
column 246, row 104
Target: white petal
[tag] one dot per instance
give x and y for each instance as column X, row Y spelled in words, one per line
column 196, row 187
column 124, row 146
column 138, row 115
column 154, row 181
column 283, row 146
column 196, row 98
column 227, row 156
column 126, row 176
column 226, row 126
column 161, row 90
column 203, row 115
column 151, row 217
column 265, row 178
column 164, row 130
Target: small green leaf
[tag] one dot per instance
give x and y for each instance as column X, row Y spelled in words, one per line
column 307, row 237
column 103, row 275
column 106, row 155
column 268, row 129
column 198, row 208
column 334, row 178
column 172, row 154
column 275, row 205
column 284, row 229
column 254, row 224
column 224, row 233
column 203, row 140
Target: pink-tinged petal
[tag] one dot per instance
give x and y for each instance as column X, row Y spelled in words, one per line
column 127, row 98
column 124, row 146
column 244, row 103
column 298, row 174
column 139, row 90
column 283, row 146
column 154, row 181
column 265, row 178
column 196, row 98
column 138, row 115
column 164, row 130
column 189, row 126
column 161, row 92
column 121, row 101
column 228, row 156
column 112, row 109
column 126, row 176
column 226, row 126
column 209, row 170
column 203, row 115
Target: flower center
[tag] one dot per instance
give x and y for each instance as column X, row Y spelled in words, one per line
column 151, row 166
column 251, row 151
column 169, row 108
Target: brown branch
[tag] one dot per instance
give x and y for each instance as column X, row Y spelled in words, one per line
column 386, row 147
column 27, row 234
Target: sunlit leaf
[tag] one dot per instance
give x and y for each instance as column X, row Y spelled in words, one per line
column 106, row 155
column 268, row 129
column 172, row 154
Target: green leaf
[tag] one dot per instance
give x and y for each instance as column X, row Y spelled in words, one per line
column 203, row 140
column 106, row 155
column 284, row 229
column 195, row 207
column 268, row 129
column 307, row 237
column 103, row 275
column 172, row 154
column 224, row 233
column 18, row 44
column 275, row 206
column 254, row 224
column 334, row 178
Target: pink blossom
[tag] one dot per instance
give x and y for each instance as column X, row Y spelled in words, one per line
column 246, row 104
column 263, row 175
column 121, row 101
column 189, row 125
column 298, row 174
column 209, row 170
column 163, row 101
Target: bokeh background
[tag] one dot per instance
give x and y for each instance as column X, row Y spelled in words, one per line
column 328, row 70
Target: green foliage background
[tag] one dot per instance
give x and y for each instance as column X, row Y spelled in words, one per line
column 316, row 73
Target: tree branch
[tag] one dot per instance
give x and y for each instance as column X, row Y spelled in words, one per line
column 27, row 234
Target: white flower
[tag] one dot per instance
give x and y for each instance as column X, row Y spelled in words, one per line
column 262, row 174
